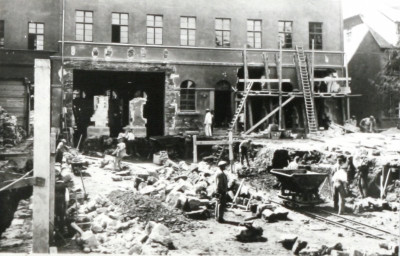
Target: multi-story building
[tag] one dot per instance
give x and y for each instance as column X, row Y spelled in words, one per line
column 184, row 56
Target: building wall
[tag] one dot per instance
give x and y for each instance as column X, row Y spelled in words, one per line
column 367, row 61
column 270, row 12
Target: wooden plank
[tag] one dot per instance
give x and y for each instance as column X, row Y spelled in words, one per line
column 269, row 115
column 41, row 155
column 265, row 80
column 194, row 148
column 230, row 137
column 246, row 78
column 266, row 69
column 25, row 182
column 328, row 79
column 212, row 142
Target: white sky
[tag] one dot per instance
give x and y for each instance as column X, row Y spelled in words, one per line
column 353, row 7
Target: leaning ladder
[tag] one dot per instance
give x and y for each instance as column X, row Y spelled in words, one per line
column 307, row 91
column 239, row 109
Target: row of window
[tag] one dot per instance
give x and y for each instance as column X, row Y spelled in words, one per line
column 154, row 31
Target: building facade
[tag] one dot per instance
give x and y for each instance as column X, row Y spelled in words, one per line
column 185, row 57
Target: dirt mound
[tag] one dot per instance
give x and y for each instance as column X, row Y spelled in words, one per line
column 149, row 208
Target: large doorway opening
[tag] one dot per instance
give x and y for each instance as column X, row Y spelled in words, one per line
column 121, row 87
column 222, row 104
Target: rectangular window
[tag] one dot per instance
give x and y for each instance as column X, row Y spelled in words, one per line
column 84, row 26
column 1, row 33
column 119, row 28
column 35, row 36
column 286, row 33
column 315, row 30
column 188, row 31
column 223, row 32
column 254, row 33
column 154, row 29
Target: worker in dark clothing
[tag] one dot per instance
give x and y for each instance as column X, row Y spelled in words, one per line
column 244, row 148
column 363, row 178
column 61, row 149
column 221, row 189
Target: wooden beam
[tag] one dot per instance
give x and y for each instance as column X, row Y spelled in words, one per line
column 212, row 142
column 269, row 115
column 230, row 137
column 250, row 112
column 280, row 84
column 266, row 69
column 25, row 182
column 260, row 80
column 41, row 156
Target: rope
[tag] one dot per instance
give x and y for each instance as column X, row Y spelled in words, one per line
column 15, row 181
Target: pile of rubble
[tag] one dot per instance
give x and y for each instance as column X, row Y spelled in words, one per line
column 11, row 134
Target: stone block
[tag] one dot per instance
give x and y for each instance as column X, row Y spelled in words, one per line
column 94, row 131
column 298, row 246
column 288, row 241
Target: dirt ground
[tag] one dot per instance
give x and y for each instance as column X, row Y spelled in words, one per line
column 213, row 238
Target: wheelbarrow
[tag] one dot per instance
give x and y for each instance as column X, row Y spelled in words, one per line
column 300, row 187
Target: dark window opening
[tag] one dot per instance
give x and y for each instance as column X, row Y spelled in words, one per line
column 119, row 28
column 35, row 36
column 1, row 33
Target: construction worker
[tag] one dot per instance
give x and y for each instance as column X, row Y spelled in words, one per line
column 207, row 123
column 368, row 124
column 352, row 121
column 294, row 165
column 221, row 189
column 119, row 153
column 61, row 149
column 244, row 148
column 339, row 180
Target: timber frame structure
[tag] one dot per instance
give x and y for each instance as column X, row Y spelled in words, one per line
column 305, row 75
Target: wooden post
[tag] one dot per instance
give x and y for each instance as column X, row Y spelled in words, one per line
column 230, row 137
column 246, row 76
column 280, row 84
column 194, row 148
column 250, row 112
column 266, row 69
column 312, row 65
column 52, row 178
column 41, row 156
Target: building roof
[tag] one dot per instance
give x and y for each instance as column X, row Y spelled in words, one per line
column 380, row 40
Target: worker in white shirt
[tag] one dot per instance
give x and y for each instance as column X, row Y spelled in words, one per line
column 208, row 123
column 339, row 180
column 294, row 165
column 130, row 142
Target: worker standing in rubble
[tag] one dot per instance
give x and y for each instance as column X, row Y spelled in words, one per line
column 339, row 180
column 207, row 123
column 368, row 124
column 61, row 149
column 221, row 189
column 119, row 153
column 244, row 148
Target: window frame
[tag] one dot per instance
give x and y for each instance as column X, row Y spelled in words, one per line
column 188, row 29
column 36, row 35
column 188, row 97
column 154, row 28
column 312, row 34
column 2, row 33
column 84, row 23
column 223, row 30
column 254, row 32
column 285, row 33
column 120, row 25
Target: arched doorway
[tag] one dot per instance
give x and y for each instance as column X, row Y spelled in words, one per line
column 222, row 104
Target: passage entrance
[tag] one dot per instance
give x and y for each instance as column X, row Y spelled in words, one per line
column 121, row 87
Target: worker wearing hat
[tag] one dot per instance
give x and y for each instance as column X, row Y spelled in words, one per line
column 208, row 123
column 221, row 189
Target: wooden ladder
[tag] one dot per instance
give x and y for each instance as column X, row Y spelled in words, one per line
column 239, row 109
column 307, row 90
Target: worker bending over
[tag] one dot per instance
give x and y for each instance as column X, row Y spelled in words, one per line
column 339, row 180
column 244, row 148
column 221, row 189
